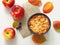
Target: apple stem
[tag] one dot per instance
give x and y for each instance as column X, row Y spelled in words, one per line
column 7, row 0
column 7, row 32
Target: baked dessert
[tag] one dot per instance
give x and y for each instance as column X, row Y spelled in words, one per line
column 39, row 24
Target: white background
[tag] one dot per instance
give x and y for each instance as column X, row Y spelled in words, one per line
column 53, row 38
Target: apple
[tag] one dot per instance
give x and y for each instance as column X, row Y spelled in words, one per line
column 8, row 3
column 17, row 12
column 35, row 2
column 38, row 39
column 48, row 7
column 56, row 25
column 9, row 33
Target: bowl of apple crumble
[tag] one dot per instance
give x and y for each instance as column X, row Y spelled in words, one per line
column 39, row 23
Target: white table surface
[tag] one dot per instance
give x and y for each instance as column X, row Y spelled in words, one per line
column 53, row 38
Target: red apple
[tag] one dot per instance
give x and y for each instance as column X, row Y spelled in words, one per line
column 56, row 25
column 17, row 12
column 8, row 3
column 9, row 33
